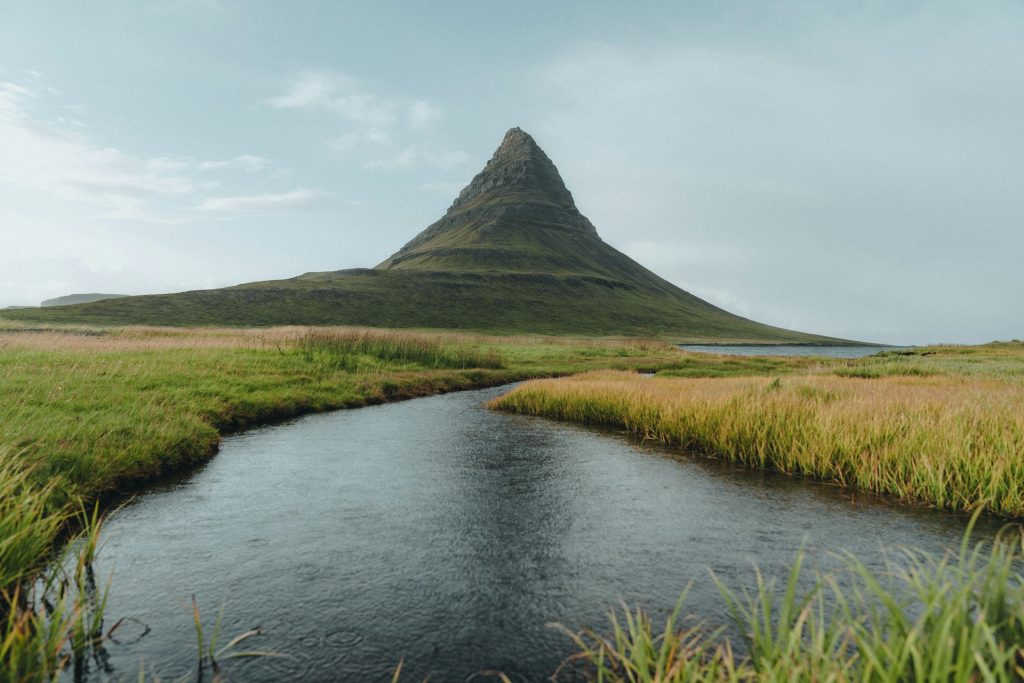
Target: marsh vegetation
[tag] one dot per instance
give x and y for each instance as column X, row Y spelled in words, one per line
column 957, row 617
column 944, row 427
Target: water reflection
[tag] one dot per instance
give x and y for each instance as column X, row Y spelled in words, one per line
column 447, row 535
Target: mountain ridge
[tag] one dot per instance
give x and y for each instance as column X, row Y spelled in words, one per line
column 84, row 298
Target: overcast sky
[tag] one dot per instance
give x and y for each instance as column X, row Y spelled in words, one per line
column 851, row 171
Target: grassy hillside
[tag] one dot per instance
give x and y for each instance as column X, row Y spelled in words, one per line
column 79, row 299
column 508, row 303
column 512, row 255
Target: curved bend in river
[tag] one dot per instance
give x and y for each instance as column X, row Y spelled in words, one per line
column 440, row 533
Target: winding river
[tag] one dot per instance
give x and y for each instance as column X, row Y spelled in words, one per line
column 445, row 535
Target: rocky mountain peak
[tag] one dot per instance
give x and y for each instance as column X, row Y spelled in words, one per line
column 518, row 165
column 516, row 214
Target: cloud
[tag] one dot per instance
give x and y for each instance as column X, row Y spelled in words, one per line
column 340, row 94
column 68, row 165
column 313, row 89
column 301, row 198
column 42, row 156
column 351, row 141
column 419, row 156
column 373, row 120
column 245, row 162
column 423, row 115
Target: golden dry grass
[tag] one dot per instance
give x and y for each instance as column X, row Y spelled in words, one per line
column 149, row 338
column 951, row 442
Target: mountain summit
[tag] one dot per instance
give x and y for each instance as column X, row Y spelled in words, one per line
column 516, row 214
column 512, row 254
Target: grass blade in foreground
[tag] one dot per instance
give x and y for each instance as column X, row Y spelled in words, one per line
column 954, row 619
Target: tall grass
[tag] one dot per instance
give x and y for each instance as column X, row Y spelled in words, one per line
column 949, row 442
column 48, row 619
column 957, row 618
column 350, row 349
column 29, row 524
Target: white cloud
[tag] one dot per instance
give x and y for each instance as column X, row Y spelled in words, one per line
column 314, row 89
column 68, row 166
column 419, row 156
column 245, row 162
column 42, row 156
column 373, row 120
column 423, row 115
column 340, row 94
column 350, row 141
column 296, row 199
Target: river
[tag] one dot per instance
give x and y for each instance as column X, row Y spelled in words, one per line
column 437, row 532
column 791, row 350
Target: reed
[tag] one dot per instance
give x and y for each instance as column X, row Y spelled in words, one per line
column 28, row 523
column 955, row 618
column 58, row 621
column 951, row 442
column 354, row 349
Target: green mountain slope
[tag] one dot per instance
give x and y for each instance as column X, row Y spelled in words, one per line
column 71, row 299
column 512, row 254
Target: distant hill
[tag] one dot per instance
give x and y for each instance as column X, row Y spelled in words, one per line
column 71, row 299
column 512, row 254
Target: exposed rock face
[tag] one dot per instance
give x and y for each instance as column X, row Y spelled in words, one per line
column 519, row 191
column 518, row 166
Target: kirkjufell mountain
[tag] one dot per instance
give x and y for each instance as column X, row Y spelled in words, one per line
column 513, row 254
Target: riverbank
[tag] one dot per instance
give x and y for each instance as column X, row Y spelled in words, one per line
column 954, row 617
column 108, row 412
column 94, row 414
column 942, row 426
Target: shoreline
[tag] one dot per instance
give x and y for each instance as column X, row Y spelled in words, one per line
column 137, row 485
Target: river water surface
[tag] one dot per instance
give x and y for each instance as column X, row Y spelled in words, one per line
column 440, row 533
column 791, row 350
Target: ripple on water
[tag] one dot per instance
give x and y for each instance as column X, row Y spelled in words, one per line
column 495, row 675
column 276, row 667
column 448, row 535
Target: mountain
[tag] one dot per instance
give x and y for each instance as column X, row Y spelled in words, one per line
column 512, row 254
column 79, row 299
